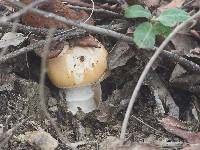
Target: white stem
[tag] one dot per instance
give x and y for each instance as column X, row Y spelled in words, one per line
column 83, row 97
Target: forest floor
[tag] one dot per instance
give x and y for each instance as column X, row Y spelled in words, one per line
column 33, row 115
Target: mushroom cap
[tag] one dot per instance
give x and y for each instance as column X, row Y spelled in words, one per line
column 77, row 66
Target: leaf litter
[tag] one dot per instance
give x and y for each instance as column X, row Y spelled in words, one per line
column 170, row 89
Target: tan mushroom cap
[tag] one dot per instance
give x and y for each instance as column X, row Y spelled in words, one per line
column 77, row 66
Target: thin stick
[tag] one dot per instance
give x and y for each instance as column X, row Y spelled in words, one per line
column 42, row 96
column 89, row 28
column 189, row 65
column 34, row 46
column 145, row 71
column 26, row 29
column 64, row 36
column 100, row 10
column 22, row 11
column 94, row 29
column 44, row 31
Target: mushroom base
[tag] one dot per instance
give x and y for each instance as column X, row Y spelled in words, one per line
column 83, row 97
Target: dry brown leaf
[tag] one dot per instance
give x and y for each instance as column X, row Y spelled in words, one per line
column 57, row 7
column 196, row 3
column 148, row 3
column 172, row 4
column 87, row 41
column 189, row 82
column 177, row 72
column 120, row 54
column 183, row 43
column 39, row 139
column 179, row 128
column 55, row 49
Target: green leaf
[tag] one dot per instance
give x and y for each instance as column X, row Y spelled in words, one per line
column 160, row 29
column 173, row 16
column 144, row 35
column 137, row 11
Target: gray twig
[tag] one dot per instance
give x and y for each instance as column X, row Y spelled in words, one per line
column 146, row 70
column 42, row 96
column 39, row 44
column 22, row 11
column 94, row 29
column 87, row 27
column 99, row 11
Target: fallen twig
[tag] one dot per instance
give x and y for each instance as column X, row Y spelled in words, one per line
column 43, row 31
column 99, row 30
column 23, row 28
column 39, row 44
column 22, row 11
column 42, row 96
column 189, row 65
column 146, row 70
column 100, row 11
column 89, row 28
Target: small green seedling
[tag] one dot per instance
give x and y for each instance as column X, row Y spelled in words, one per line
column 145, row 33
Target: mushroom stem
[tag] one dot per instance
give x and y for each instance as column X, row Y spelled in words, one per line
column 83, row 97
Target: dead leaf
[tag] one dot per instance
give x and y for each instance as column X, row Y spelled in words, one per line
column 172, row 4
column 162, row 95
column 148, row 3
column 178, row 128
column 87, row 41
column 189, row 82
column 55, row 48
column 184, row 43
column 196, row 3
column 39, row 139
column 57, row 7
column 177, row 72
column 120, row 54
column 195, row 34
column 12, row 38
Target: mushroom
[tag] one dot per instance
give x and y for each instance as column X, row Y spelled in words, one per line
column 78, row 71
